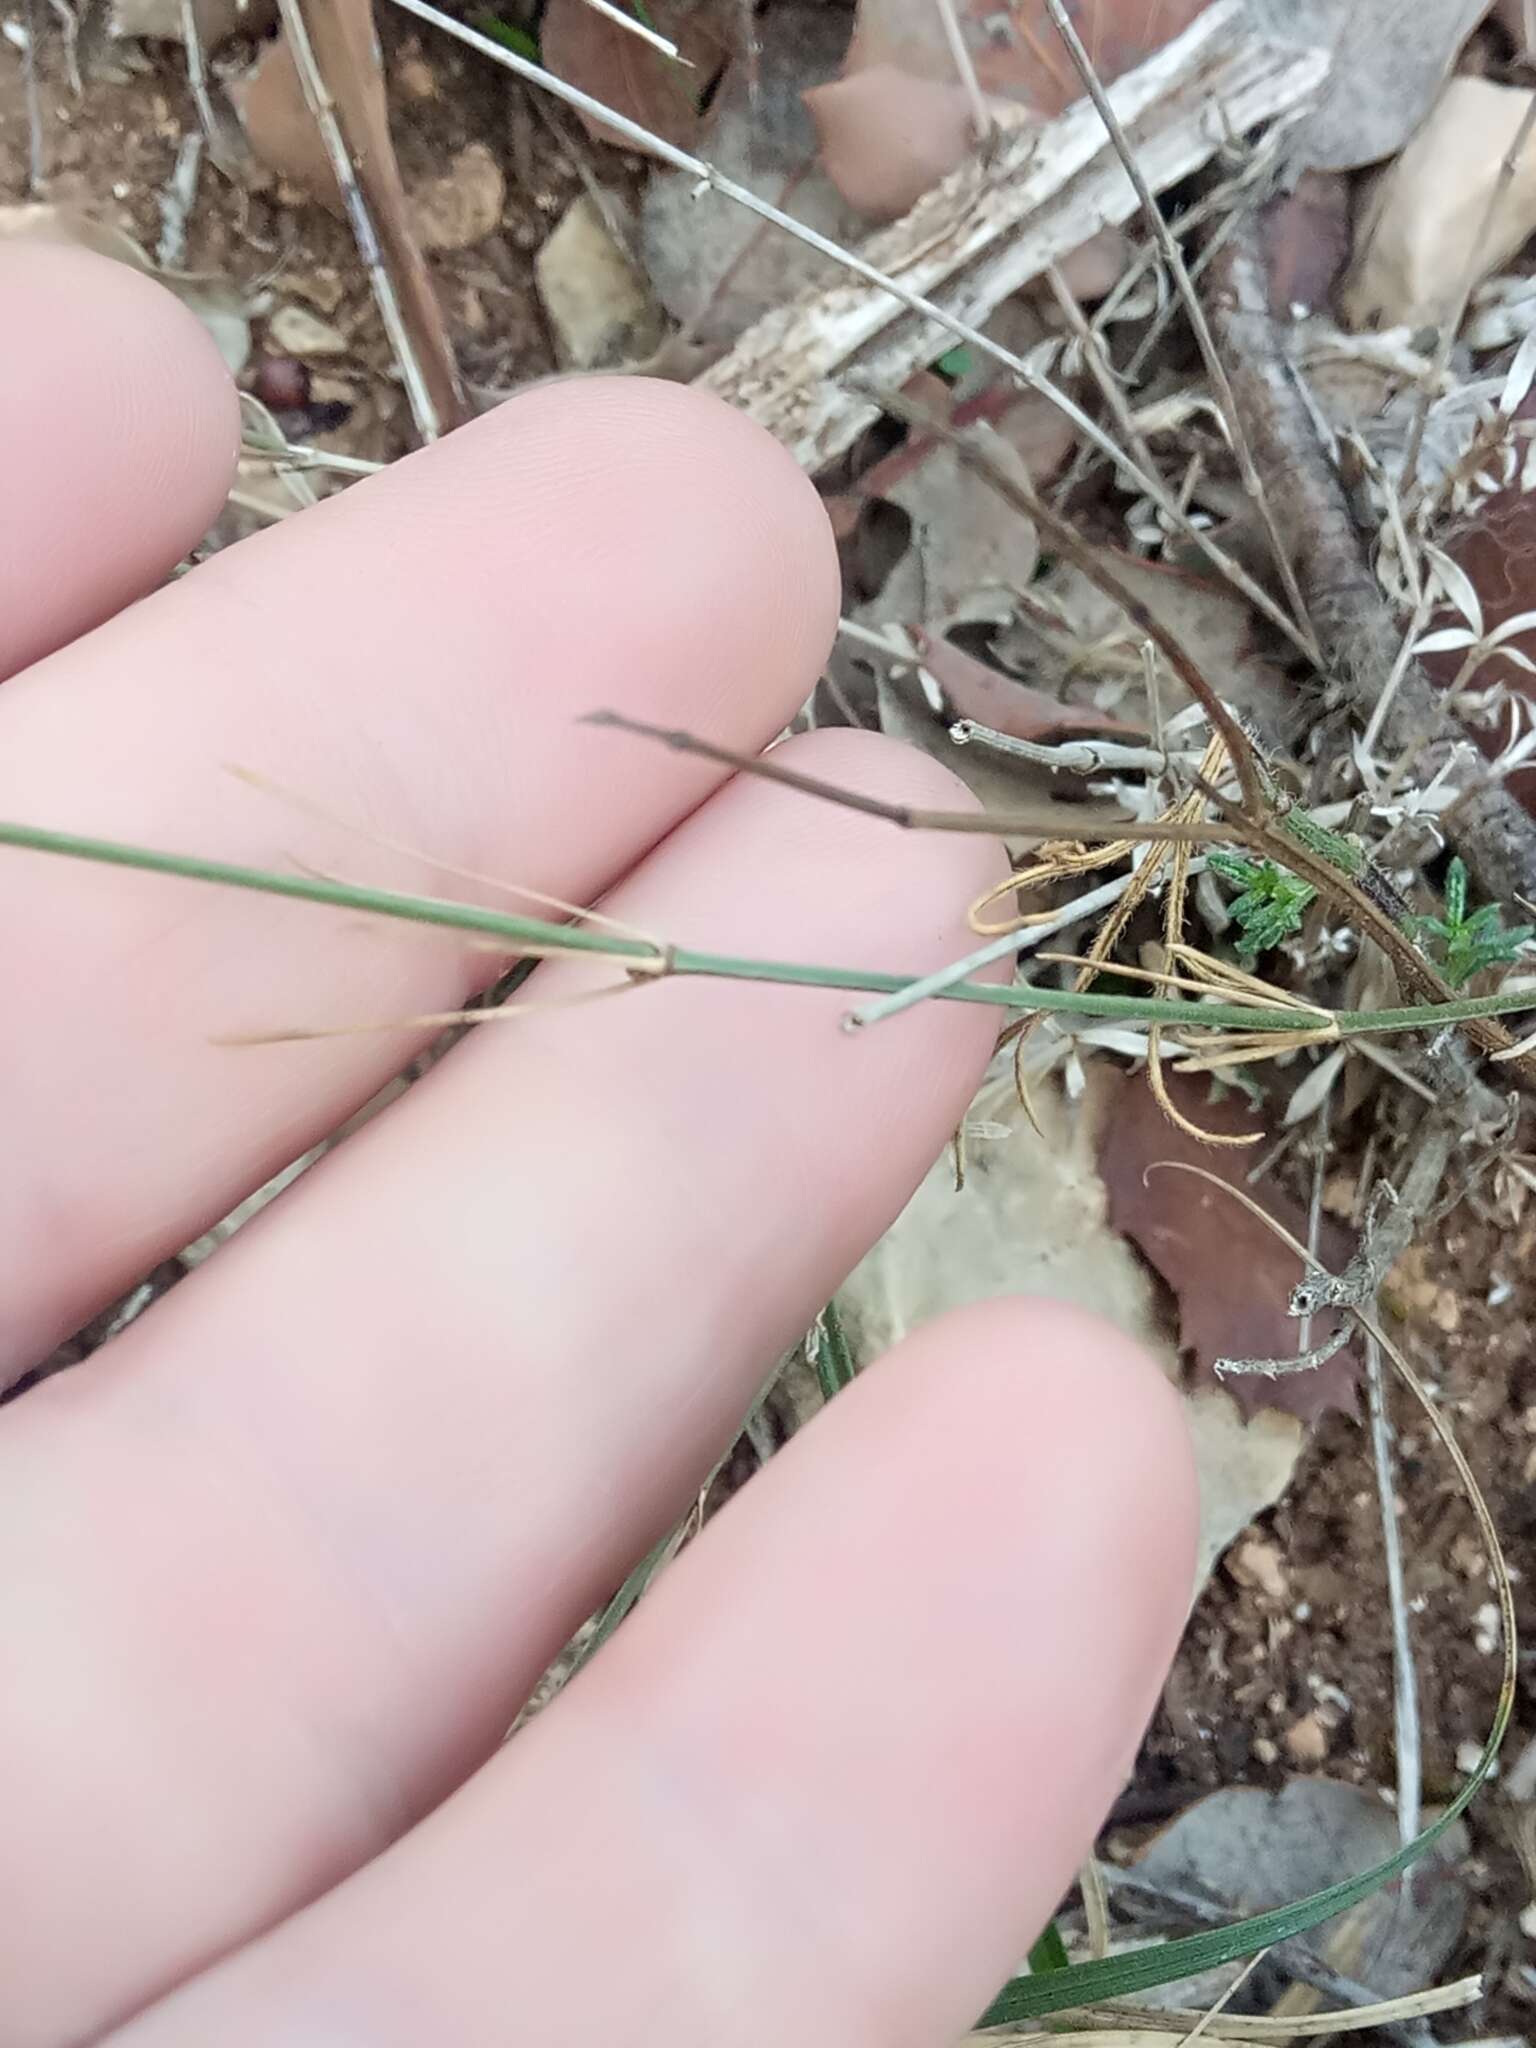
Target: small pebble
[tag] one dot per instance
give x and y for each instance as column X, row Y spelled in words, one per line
column 1306, row 1740
column 416, row 79
column 1259, row 1565
column 298, row 332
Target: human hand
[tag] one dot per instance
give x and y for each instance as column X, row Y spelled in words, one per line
column 282, row 1562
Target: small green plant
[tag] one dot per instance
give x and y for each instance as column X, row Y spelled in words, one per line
column 1270, row 903
column 506, row 33
column 1466, row 945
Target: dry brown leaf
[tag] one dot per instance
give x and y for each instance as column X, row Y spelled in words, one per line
column 1018, row 54
column 1031, row 1219
column 974, row 689
column 1389, row 60
column 283, row 134
column 1306, row 241
column 968, row 547
column 969, row 550
column 598, row 307
column 897, row 121
column 1422, row 222
column 1211, row 622
column 886, row 136
column 587, row 50
column 1230, row 1276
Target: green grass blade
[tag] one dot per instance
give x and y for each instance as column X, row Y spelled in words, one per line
column 1165, row 1962
column 649, row 958
column 1049, row 1952
column 830, row 1357
column 629, row 1593
column 508, row 35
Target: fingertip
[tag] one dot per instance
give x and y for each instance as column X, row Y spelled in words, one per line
column 122, row 430
column 687, row 520
column 1117, row 1424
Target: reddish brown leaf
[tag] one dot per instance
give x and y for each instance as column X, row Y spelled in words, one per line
column 887, row 138
column 587, row 50
column 972, row 689
column 1017, row 51
column 1306, row 241
column 1230, row 1276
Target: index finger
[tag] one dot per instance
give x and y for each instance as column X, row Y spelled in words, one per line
column 414, row 656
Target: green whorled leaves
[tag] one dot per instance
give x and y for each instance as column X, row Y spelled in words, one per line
column 1269, row 906
column 1466, row 945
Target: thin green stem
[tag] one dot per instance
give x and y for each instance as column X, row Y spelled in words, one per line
column 521, row 932
column 651, row 959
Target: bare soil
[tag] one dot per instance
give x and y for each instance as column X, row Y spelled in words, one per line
column 1290, row 1669
column 110, row 152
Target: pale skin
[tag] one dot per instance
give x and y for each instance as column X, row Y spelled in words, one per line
column 282, row 1562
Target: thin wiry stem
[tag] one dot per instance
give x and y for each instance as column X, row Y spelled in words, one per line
column 638, row 28
column 178, row 198
column 1007, row 945
column 653, row 960
column 322, row 106
column 1215, row 368
column 1214, row 2012
column 1044, row 821
column 1405, row 1689
column 37, row 175
column 1096, row 359
column 959, row 49
column 1315, row 1208
column 1276, row 2027
column 197, row 72
column 1389, row 689
column 1066, row 540
column 1033, row 379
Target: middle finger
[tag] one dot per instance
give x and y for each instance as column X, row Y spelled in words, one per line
column 288, row 1556
column 413, row 655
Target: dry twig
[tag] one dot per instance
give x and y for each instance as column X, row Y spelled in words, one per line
column 427, row 371
column 1173, row 257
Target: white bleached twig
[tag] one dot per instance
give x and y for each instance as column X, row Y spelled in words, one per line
column 1405, row 1690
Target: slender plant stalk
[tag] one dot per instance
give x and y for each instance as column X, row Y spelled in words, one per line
column 1405, row 1690
column 1173, row 256
column 649, row 959
column 954, row 35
